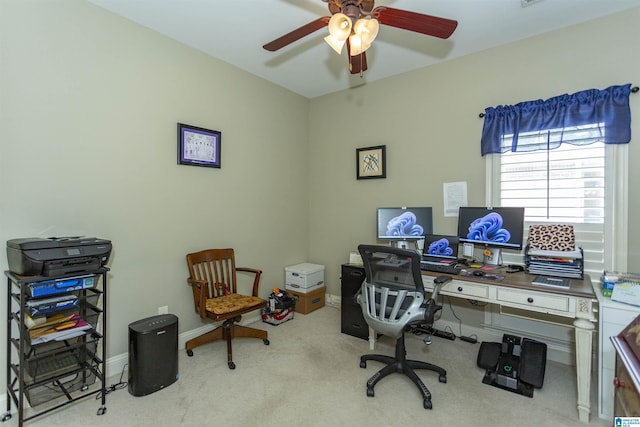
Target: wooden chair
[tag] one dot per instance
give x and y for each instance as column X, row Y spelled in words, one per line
column 212, row 276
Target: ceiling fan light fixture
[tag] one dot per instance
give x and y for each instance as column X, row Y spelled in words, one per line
column 335, row 44
column 367, row 29
column 356, row 46
column 364, row 33
column 339, row 31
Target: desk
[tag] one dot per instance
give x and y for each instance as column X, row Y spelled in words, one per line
column 516, row 291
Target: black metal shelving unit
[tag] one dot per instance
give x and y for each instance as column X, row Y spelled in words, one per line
column 48, row 371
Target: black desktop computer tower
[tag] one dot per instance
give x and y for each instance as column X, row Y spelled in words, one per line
column 153, row 354
column 351, row 318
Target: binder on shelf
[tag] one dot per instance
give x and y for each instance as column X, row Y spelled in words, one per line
column 61, row 285
column 39, row 307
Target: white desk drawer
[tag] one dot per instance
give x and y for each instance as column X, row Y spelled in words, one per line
column 619, row 316
column 467, row 289
column 523, row 297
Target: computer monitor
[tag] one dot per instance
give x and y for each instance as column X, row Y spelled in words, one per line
column 440, row 247
column 404, row 223
column 493, row 227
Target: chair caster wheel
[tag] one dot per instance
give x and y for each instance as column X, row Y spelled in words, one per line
column 102, row 410
column 6, row 417
column 370, row 392
column 266, row 342
column 232, row 365
column 427, row 404
column 363, row 364
column 190, row 353
column 442, row 379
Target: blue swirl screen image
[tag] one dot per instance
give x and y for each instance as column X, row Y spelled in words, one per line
column 440, row 247
column 489, row 229
column 404, row 225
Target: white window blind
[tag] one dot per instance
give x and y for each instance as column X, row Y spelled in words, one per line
column 574, row 184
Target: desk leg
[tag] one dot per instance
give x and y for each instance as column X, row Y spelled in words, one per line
column 372, row 339
column 584, row 348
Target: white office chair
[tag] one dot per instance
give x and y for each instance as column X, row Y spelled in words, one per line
column 392, row 298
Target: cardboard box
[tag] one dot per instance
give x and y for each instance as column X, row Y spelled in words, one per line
column 302, row 290
column 310, row 301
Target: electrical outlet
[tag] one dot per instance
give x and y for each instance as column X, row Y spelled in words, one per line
column 163, row 310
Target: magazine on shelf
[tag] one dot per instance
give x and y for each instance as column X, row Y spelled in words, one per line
column 576, row 254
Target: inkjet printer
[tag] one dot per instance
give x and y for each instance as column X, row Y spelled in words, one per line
column 57, row 255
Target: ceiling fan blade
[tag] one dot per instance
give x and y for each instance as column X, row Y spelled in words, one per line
column 297, row 34
column 357, row 63
column 417, row 22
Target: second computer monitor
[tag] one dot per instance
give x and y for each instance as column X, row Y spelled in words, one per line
column 501, row 227
column 402, row 223
column 440, row 246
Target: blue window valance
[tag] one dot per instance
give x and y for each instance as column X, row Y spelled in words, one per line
column 607, row 108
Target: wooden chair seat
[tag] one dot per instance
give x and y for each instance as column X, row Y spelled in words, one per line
column 233, row 304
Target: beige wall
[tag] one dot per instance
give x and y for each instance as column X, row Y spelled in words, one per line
column 90, row 103
column 88, row 110
column 428, row 120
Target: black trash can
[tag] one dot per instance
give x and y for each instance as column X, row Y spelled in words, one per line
column 153, row 354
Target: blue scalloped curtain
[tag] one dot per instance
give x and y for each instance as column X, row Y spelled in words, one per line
column 559, row 118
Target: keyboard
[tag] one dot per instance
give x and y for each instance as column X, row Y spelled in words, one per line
column 440, row 267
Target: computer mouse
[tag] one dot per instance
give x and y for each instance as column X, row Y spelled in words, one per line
column 479, row 273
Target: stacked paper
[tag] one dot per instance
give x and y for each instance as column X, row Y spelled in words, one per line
column 58, row 328
column 555, row 263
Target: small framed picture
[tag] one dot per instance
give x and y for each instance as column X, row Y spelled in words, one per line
column 371, row 163
column 198, row 146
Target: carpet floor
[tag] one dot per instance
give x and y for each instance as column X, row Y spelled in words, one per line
column 310, row 376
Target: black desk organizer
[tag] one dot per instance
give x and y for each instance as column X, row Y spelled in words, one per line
column 516, row 364
column 555, row 265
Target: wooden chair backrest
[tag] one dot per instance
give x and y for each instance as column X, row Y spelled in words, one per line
column 217, row 267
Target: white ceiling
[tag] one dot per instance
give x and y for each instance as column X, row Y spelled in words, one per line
column 235, row 30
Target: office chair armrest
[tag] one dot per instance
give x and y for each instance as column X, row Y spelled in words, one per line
column 438, row 283
column 256, row 279
column 431, row 306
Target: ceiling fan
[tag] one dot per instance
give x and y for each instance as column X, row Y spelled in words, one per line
column 355, row 23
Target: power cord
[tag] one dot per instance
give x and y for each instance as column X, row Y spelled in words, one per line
column 471, row 338
column 113, row 387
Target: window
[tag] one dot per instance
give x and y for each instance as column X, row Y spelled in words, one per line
column 568, row 184
column 565, row 160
